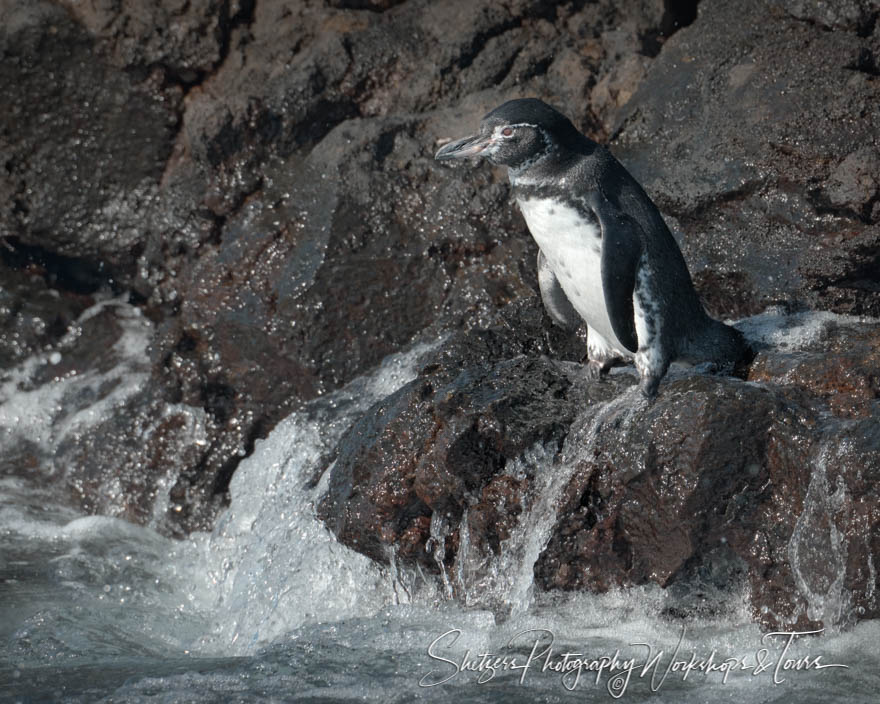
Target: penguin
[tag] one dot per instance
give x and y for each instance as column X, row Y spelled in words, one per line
column 605, row 254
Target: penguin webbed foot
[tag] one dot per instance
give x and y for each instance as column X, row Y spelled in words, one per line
column 649, row 384
column 595, row 370
column 599, row 368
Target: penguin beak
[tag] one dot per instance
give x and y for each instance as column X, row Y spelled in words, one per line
column 463, row 148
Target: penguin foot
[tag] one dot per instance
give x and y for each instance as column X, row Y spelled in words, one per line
column 595, row 370
column 649, row 385
column 651, row 365
column 599, row 368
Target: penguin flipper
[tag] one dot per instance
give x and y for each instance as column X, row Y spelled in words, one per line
column 621, row 251
column 555, row 301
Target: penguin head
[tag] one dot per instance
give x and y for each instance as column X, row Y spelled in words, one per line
column 515, row 134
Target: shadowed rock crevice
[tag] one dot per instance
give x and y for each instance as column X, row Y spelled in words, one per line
column 243, row 17
column 866, row 62
column 371, row 5
column 72, row 274
column 677, row 14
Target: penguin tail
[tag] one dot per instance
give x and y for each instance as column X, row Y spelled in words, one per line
column 721, row 346
column 728, row 348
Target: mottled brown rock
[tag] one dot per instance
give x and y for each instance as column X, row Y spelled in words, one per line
column 844, row 370
column 442, row 444
column 84, row 146
column 855, row 183
column 258, row 177
column 683, row 486
column 184, row 37
column 719, row 485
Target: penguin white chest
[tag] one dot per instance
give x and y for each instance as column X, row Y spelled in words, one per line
column 572, row 245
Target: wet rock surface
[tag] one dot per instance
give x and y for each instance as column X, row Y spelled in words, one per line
column 720, row 484
column 736, row 487
column 842, row 368
column 33, row 314
column 442, row 444
column 84, row 148
column 256, row 178
column 784, row 205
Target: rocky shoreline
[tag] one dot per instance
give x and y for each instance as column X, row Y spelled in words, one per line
column 256, row 179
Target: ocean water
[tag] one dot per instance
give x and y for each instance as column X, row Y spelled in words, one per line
column 269, row 607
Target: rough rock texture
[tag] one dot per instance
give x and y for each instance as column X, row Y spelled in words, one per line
column 33, row 314
column 442, row 443
column 256, row 178
column 719, row 483
column 755, row 130
column 259, row 176
column 83, row 148
column 186, row 38
column 843, row 369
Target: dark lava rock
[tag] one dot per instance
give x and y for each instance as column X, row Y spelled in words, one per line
column 855, row 183
column 335, row 266
column 134, row 464
column 444, row 443
column 858, row 15
column 336, row 151
column 258, row 178
column 184, row 37
column 695, row 480
column 88, row 420
column 842, row 368
column 33, row 315
column 83, row 147
column 337, row 239
column 668, row 484
column 718, row 485
column 755, row 129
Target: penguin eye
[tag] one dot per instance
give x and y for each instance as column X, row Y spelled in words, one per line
column 507, row 131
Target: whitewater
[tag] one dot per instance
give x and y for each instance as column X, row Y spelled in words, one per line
column 270, row 607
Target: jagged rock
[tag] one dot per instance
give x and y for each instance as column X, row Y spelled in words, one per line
column 717, row 484
column 840, row 14
column 672, row 482
column 242, row 165
column 336, row 265
column 446, row 442
column 713, row 474
column 324, row 189
column 144, row 456
column 855, row 183
column 184, row 37
column 84, row 416
column 841, row 368
column 259, row 177
column 84, row 149
column 740, row 129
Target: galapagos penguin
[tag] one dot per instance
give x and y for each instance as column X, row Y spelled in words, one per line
column 605, row 253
